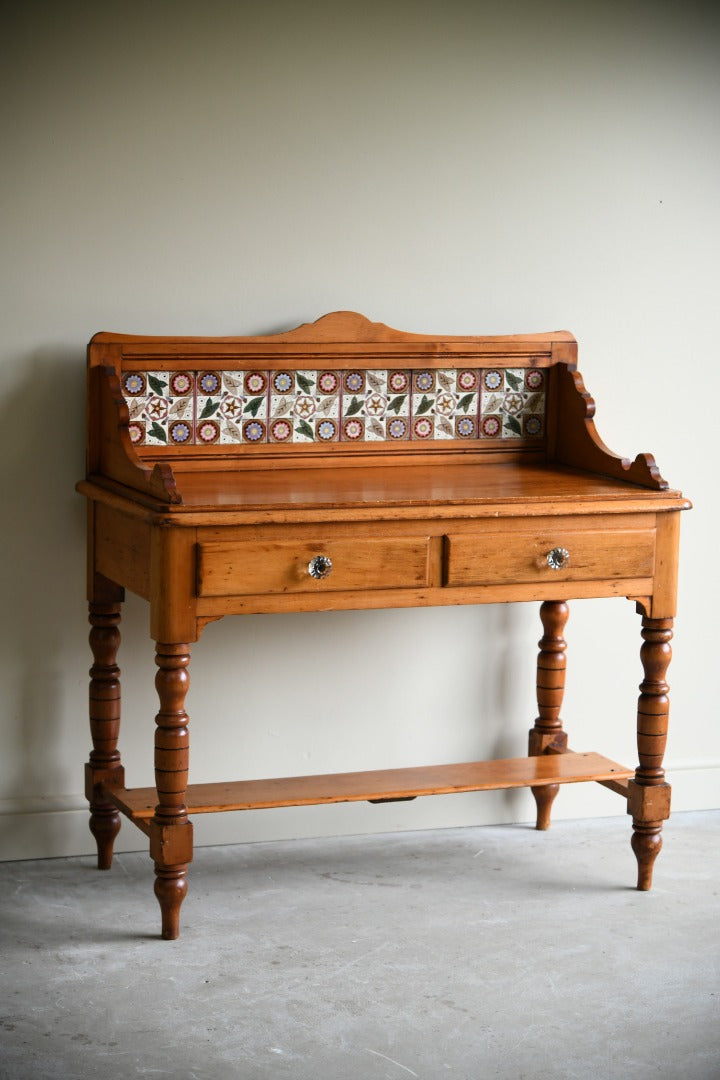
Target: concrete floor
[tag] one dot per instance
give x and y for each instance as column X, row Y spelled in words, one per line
column 466, row 953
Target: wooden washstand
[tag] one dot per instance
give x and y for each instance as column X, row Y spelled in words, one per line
column 346, row 465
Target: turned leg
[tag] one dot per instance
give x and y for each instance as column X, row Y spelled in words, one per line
column 104, row 765
column 548, row 734
column 170, row 829
column 648, row 794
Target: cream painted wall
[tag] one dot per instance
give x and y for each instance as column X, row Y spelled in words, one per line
column 443, row 167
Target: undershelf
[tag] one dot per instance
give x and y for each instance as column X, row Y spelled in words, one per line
column 379, row 786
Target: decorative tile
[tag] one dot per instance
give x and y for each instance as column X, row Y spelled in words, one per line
column 304, row 406
column 512, row 403
column 161, row 406
column 206, row 408
column 441, row 406
column 374, row 406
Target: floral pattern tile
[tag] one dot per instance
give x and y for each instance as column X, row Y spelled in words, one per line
column 161, row 405
column 203, row 408
column 512, row 403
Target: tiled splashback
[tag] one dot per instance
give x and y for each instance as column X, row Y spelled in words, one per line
column 355, row 406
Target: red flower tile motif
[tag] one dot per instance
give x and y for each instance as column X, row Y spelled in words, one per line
column 255, row 383
column 353, row 430
column 328, row 382
column 208, row 431
column 399, row 382
column 182, row 383
column 280, row 430
column 423, row 428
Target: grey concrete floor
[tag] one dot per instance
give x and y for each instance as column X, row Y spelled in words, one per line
column 462, row 953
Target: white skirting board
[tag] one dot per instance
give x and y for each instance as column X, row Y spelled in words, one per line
column 58, row 827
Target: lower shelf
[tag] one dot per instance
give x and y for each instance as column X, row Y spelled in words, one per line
column 386, row 784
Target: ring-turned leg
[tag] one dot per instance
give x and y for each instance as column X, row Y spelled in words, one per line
column 548, row 731
column 170, row 830
column 104, row 765
column 648, row 794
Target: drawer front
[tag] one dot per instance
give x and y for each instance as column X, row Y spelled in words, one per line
column 506, row 558
column 257, row 567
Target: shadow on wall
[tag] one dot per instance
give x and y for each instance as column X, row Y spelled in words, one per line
column 510, row 670
column 44, row 562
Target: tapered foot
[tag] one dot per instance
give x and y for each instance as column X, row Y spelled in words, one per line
column 544, row 798
column 646, row 843
column 171, row 890
column 104, row 825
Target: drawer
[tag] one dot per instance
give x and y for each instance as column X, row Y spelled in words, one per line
column 506, row 558
column 256, row 567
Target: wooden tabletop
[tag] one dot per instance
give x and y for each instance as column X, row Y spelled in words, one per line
column 407, row 486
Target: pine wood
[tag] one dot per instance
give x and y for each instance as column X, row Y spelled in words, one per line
column 547, row 732
column 578, row 443
column 262, row 566
column 171, row 831
column 345, row 486
column 104, row 768
column 649, row 795
column 520, row 557
column 381, row 785
column 204, row 532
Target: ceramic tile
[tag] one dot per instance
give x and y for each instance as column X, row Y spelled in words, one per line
column 319, row 405
column 160, row 406
column 304, row 406
column 444, row 404
column 512, row 403
column 376, row 406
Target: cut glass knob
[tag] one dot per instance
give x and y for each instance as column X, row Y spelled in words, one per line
column 558, row 558
column 320, row 566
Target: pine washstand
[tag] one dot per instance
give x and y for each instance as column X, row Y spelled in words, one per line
column 346, row 465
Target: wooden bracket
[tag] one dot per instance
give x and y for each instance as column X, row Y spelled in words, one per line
column 115, row 454
column 578, row 444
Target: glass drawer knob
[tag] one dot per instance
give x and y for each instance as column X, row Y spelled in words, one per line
column 320, row 566
column 558, row 558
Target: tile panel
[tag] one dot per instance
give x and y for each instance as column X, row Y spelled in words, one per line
column 205, row 408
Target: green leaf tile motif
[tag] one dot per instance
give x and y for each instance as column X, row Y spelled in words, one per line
column 303, row 428
column 157, row 433
column 209, row 408
column 304, row 382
